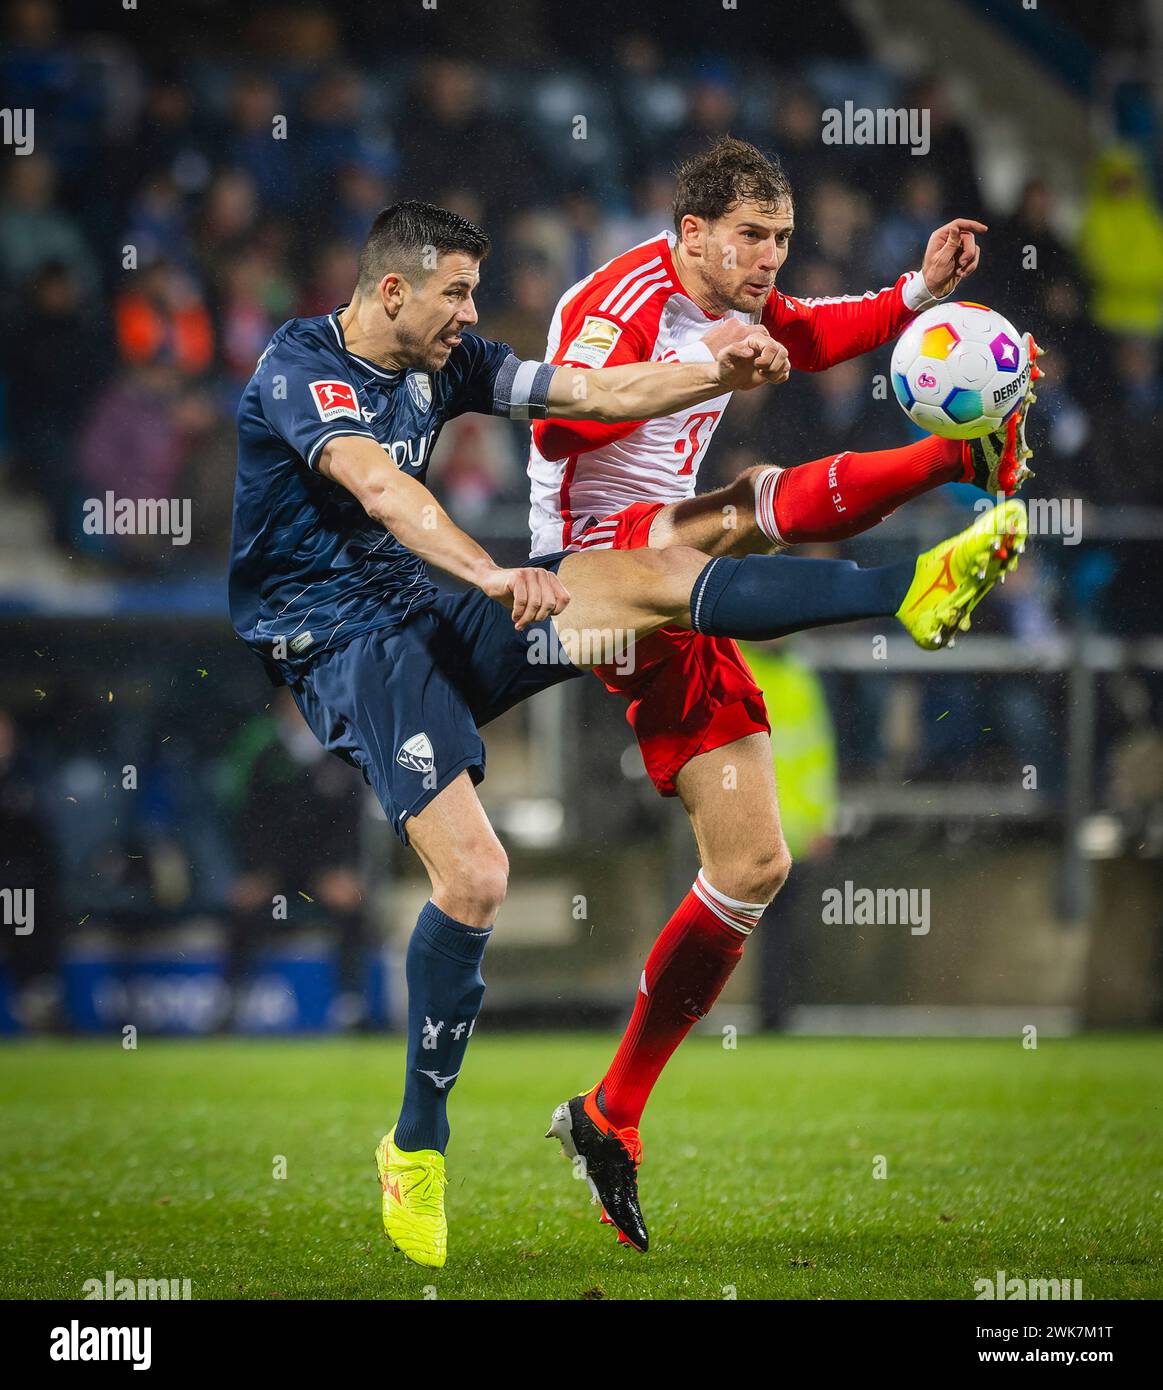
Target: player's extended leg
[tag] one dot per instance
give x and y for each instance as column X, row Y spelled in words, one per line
column 468, row 870
column 760, row 597
column 729, row 794
column 827, row 499
column 841, row 495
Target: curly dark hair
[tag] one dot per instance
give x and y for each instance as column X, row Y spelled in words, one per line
column 408, row 238
column 731, row 172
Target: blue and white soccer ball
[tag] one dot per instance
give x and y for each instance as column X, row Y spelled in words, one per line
column 960, row 370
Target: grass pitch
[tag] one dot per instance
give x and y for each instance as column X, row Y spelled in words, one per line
column 758, row 1179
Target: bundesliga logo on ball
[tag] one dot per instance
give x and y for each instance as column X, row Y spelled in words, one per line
column 960, row 370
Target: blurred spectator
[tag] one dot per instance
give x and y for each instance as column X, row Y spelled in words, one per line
column 652, row 212
column 1068, row 434
column 71, row 94
column 158, row 224
column 476, row 467
column 55, row 337
column 249, row 144
column 567, row 237
column 254, row 300
column 1127, row 456
column 161, row 317
column 899, row 241
column 34, row 231
column 835, row 222
column 652, row 101
column 1121, row 246
column 795, row 127
column 338, row 134
column 229, row 215
column 333, row 275
column 712, row 109
column 949, row 147
column 136, row 444
column 170, row 145
column 360, row 190
column 525, row 313
column 447, row 135
column 1023, row 254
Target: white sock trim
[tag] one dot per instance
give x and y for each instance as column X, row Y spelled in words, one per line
column 765, row 504
column 736, row 913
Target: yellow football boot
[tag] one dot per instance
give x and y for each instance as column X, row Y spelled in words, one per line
column 953, row 577
column 413, row 1186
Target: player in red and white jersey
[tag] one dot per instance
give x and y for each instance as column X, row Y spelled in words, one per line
column 696, row 710
column 636, row 309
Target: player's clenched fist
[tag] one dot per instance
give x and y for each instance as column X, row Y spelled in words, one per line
column 756, row 359
column 773, row 363
column 531, row 593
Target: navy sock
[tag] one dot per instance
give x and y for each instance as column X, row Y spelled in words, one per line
column 445, row 989
column 765, row 596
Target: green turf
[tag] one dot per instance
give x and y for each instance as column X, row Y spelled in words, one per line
column 758, row 1176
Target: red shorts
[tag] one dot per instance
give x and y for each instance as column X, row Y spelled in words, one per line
column 688, row 693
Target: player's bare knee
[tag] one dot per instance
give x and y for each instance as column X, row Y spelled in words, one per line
column 472, row 885
column 671, row 573
column 779, row 868
column 766, row 872
column 743, row 487
column 488, row 881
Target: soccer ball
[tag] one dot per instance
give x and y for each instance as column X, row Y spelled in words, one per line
column 960, row 370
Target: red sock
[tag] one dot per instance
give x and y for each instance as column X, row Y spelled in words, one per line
column 841, row 495
column 685, row 972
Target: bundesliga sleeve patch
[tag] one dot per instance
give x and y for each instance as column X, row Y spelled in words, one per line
column 594, row 343
column 335, row 400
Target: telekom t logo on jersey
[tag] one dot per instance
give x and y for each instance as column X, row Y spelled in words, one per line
column 696, row 432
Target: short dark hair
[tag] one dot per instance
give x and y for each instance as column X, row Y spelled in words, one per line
column 409, row 236
column 730, row 172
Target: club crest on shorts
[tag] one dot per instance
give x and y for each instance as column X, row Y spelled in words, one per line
column 335, row 399
column 420, row 389
column 416, row 754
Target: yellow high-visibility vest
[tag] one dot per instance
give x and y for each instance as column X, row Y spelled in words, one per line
column 803, row 739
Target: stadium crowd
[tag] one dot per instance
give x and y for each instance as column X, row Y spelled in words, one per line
column 176, row 210
column 173, row 214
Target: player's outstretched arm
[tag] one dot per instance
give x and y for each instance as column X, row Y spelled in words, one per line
column 649, row 390
column 821, row 332
column 405, row 507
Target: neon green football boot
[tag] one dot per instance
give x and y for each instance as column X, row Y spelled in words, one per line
column 413, row 1205
column 953, row 577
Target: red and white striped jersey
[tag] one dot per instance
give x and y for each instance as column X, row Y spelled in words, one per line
column 634, row 309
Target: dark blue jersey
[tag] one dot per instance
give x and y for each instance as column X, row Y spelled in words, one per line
column 309, row 569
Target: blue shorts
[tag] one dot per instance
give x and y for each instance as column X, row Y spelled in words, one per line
column 404, row 704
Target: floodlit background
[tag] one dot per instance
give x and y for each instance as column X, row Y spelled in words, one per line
column 156, row 792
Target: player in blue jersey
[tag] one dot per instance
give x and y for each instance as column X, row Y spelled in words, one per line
column 333, row 528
